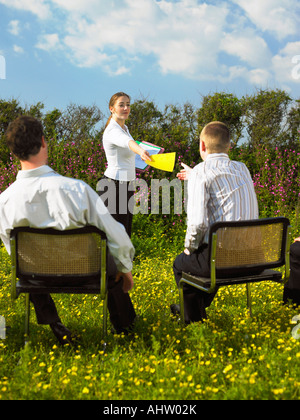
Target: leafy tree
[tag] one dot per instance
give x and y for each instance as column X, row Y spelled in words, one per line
column 144, row 121
column 50, row 121
column 226, row 108
column 265, row 117
column 76, row 123
column 9, row 111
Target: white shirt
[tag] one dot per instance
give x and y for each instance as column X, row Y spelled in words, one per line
column 219, row 189
column 42, row 198
column 120, row 158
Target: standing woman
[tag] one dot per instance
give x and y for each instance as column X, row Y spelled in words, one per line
column 120, row 150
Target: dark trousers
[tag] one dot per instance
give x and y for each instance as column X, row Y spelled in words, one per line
column 195, row 301
column 292, row 288
column 118, row 198
column 122, row 314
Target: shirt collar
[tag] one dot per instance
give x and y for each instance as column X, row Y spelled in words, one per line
column 29, row 173
column 114, row 122
column 217, row 156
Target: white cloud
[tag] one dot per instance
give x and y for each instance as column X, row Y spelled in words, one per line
column 286, row 63
column 275, row 16
column 259, row 77
column 17, row 49
column 48, row 42
column 184, row 36
column 214, row 41
column 14, row 27
column 248, row 47
column 37, row 7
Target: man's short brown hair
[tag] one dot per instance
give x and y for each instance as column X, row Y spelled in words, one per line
column 24, row 137
column 216, row 137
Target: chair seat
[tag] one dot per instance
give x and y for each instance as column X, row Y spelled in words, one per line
column 266, row 275
column 36, row 287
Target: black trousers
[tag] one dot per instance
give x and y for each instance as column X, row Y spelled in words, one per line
column 122, row 313
column 292, row 288
column 118, row 198
column 195, row 301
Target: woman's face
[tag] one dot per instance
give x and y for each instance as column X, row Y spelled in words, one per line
column 121, row 109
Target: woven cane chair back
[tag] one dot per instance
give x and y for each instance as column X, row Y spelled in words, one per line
column 48, row 254
column 240, row 246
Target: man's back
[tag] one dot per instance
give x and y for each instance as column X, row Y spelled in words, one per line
column 42, row 198
column 219, row 189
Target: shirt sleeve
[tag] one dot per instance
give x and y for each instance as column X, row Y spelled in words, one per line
column 119, row 243
column 117, row 137
column 197, row 217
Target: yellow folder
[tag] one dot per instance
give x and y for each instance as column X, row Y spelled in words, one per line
column 163, row 161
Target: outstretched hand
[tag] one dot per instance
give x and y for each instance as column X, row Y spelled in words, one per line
column 184, row 173
column 145, row 155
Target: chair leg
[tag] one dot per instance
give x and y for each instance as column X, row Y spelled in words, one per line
column 27, row 315
column 249, row 299
column 181, row 302
column 105, row 320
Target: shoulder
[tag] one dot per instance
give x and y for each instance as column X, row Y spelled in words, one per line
column 240, row 165
column 4, row 196
column 71, row 183
column 198, row 167
column 113, row 127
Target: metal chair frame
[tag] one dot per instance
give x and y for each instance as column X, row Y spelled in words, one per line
column 21, row 282
column 209, row 284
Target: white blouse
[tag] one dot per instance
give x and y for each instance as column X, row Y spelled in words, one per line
column 120, row 158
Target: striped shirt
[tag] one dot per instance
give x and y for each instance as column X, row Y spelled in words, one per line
column 219, row 189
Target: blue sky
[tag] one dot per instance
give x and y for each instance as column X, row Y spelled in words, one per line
column 169, row 52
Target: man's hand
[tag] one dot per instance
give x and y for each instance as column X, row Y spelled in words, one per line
column 127, row 281
column 184, row 173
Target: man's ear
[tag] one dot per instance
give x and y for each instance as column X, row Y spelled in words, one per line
column 202, row 146
column 43, row 142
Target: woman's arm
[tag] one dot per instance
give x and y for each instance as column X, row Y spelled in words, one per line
column 139, row 150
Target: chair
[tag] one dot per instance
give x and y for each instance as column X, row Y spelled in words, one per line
column 53, row 261
column 243, row 252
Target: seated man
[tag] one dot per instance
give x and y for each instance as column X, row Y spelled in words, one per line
column 292, row 288
column 218, row 190
column 42, row 198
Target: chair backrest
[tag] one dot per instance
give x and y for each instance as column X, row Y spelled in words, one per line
column 50, row 253
column 252, row 244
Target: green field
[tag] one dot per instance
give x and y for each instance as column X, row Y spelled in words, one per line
column 229, row 356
